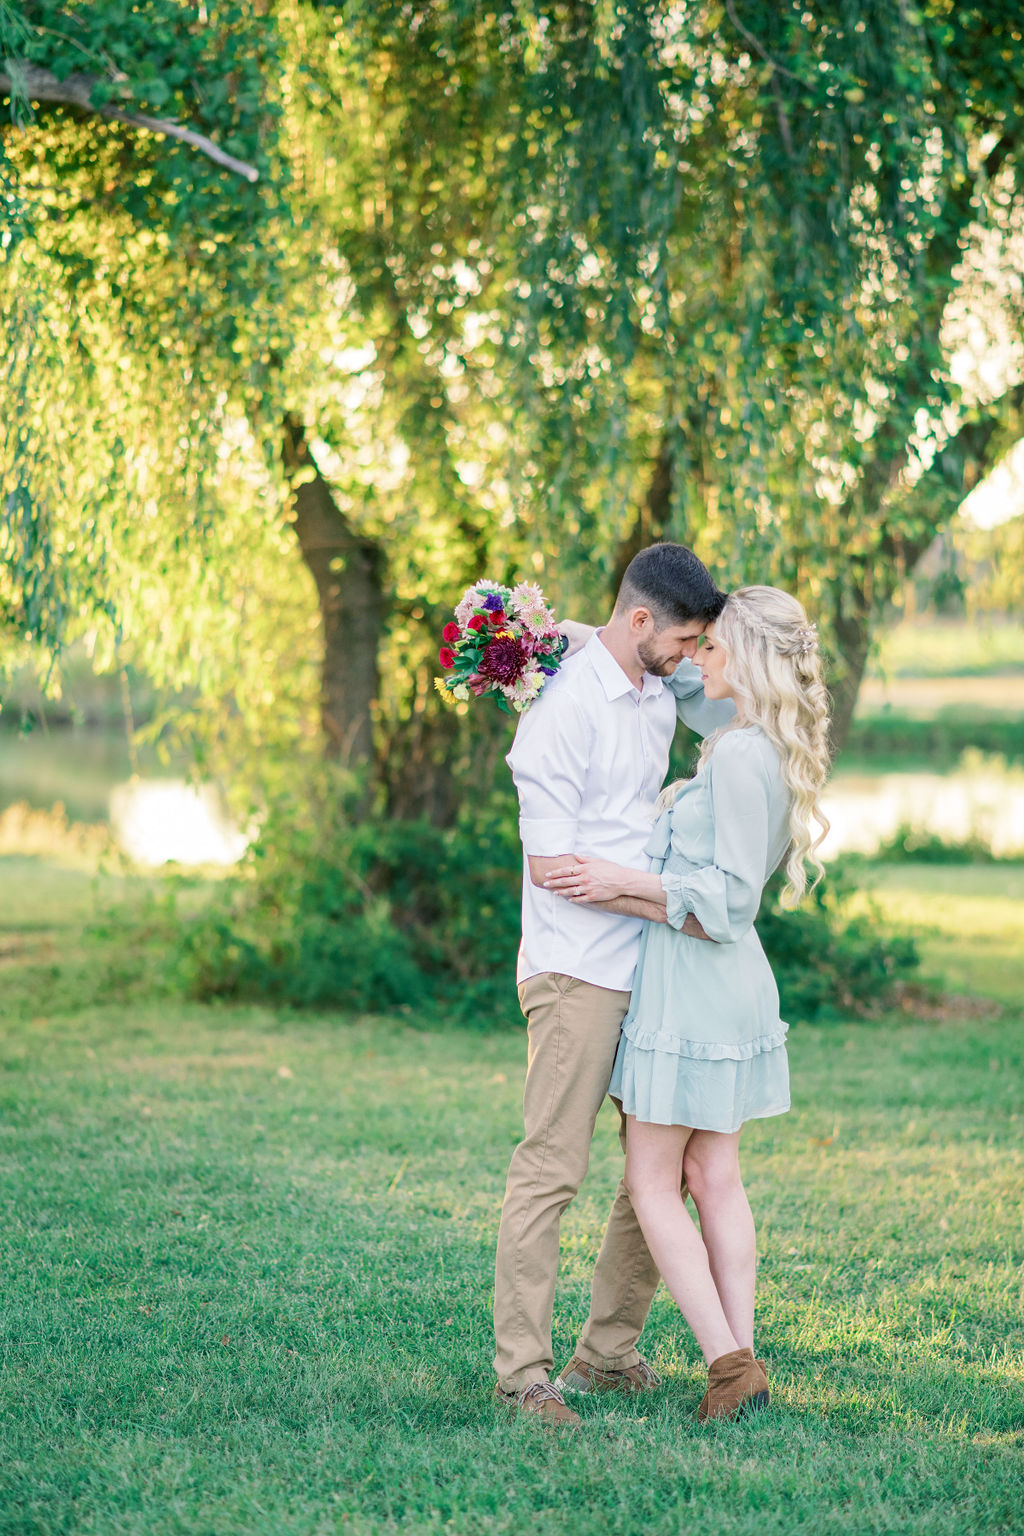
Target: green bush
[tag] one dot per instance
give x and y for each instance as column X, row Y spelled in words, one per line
column 334, row 910
column 833, row 957
column 919, row 846
column 937, row 742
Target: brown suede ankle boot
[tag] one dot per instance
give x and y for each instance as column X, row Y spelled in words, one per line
column 737, row 1385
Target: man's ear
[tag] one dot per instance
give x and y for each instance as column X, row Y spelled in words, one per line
column 639, row 620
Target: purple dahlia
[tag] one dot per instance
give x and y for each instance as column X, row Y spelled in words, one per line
column 503, row 661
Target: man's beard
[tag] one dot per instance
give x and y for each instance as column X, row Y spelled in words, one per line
column 654, row 660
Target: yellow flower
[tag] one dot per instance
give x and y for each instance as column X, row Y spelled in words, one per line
column 444, row 690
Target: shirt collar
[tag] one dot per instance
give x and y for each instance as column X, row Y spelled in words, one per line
column 612, row 678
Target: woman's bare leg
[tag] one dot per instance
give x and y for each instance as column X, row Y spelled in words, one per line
column 711, row 1162
column 654, row 1164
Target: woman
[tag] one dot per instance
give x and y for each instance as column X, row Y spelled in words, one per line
column 703, row 1046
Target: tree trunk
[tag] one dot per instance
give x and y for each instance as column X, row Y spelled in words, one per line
column 652, row 515
column 349, row 573
column 852, row 631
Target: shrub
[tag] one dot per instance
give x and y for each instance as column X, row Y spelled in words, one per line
column 936, row 742
column 920, row 846
column 833, row 957
column 334, row 910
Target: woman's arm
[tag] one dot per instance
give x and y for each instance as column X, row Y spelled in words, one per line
column 576, row 633
column 592, row 880
column 726, row 894
column 639, row 893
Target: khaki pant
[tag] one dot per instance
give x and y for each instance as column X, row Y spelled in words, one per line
column 573, row 1030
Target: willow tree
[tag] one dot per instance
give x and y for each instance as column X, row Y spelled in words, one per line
column 520, row 287
column 751, row 271
column 141, row 300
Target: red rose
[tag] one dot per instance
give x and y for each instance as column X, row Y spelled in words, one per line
column 476, row 622
column 450, row 633
column 498, row 618
column 446, row 656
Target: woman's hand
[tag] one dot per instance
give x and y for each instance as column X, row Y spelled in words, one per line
column 576, row 633
column 588, row 879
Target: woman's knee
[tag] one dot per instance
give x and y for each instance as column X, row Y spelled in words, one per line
column 647, row 1187
column 654, row 1159
column 711, row 1170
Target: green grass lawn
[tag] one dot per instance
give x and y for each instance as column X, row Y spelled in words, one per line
column 948, row 647
column 247, row 1262
column 969, row 922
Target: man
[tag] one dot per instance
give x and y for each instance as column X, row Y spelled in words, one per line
column 588, row 761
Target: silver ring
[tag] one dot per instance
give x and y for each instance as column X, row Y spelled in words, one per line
column 579, row 890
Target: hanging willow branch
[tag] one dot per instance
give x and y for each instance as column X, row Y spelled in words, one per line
column 35, row 84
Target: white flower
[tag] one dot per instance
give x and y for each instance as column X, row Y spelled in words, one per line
column 460, row 691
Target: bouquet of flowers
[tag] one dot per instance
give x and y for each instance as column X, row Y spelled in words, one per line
column 502, row 641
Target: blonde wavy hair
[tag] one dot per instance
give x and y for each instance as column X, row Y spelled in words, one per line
column 774, row 669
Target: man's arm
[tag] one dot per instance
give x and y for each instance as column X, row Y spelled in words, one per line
column 635, row 906
column 632, row 906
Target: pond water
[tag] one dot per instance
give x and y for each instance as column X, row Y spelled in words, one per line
column 157, row 816
column 986, row 802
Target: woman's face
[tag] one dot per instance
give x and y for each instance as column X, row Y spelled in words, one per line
column 711, row 658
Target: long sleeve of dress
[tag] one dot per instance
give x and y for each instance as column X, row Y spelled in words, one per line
column 724, row 896
column 692, row 708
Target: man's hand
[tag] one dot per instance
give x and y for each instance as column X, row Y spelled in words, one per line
column 693, row 929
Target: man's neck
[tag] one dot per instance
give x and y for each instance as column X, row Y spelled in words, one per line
column 616, row 640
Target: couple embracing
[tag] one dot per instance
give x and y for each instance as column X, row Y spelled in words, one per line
column 640, row 973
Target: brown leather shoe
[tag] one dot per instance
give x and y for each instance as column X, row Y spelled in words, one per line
column 737, row 1385
column 543, row 1401
column 702, row 1410
column 580, row 1376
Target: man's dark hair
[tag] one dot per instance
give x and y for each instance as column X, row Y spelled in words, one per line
column 670, row 581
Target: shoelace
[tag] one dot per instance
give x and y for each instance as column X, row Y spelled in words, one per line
column 641, row 1372
column 648, row 1376
column 541, row 1390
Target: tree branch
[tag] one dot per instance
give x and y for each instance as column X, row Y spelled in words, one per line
column 35, row 84
column 961, row 462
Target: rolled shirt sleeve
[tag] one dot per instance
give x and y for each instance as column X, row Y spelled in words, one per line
column 724, row 896
column 692, row 708
column 549, row 759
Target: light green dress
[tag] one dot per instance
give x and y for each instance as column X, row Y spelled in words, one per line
column 703, row 1044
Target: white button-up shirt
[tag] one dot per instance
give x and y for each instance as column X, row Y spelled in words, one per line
column 588, row 760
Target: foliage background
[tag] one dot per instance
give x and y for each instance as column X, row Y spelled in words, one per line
column 517, row 290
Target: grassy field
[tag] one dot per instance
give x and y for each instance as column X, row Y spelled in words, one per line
column 248, row 1270
column 948, row 648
